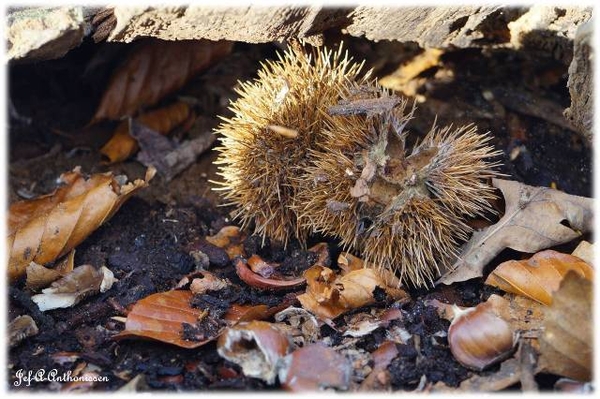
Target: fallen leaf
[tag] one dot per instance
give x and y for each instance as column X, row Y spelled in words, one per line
column 315, row 367
column 566, row 344
column 348, row 262
column 82, row 282
column 258, row 281
column 256, row 346
column 44, row 229
column 525, row 316
column 153, row 70
column 164, row 317
column 231, row 239
column 20, row 328
column 535, row 218
column 329, row 295
column 39, row 277
column 539, row 276
column 163, row 120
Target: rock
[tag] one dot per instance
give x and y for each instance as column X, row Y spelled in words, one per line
column 44, row 33
column 580, row 113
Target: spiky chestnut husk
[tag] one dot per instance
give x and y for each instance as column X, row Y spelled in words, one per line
column 277, row 119
column 405, row 211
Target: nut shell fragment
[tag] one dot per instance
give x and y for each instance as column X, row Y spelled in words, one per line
column 256, row 346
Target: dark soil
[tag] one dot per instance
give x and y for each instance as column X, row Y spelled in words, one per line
column 146, row 244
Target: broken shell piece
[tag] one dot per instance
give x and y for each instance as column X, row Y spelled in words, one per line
column 479, row 337
column 303, row 325
column 256, row 346
column 258, row 281
column 20, row 328
column 315, row 367
column 39, row 277
column 82, row 282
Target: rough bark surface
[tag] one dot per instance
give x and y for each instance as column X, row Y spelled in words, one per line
column 581, row 111
column 44, row 33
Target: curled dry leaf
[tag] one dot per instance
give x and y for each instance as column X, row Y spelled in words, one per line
column 481, row 336
column 39, row 277
column 165, row 317
column 534, row 219
column 44, row 229
column 258, row 281
column 153, row 70
column 231, row 239
column 348, row 262
column 256, row 346
column 315, row 367
column 20, row 328
column 566, row 346
column 539, row 276
column 121, row 145
column 329, row 295
column 82, row 282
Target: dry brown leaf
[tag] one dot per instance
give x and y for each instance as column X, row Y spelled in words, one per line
column 44, row 229
column 153, row 70
column 121, row 145
column 82, row 282
column 164, row 317
column 315, row 367
column 539, row 276
column 329, row 295
column 348, row 262
column 535, row 218
column 566, row 346
column 39, row 277
column 231, row 239
column 20, row 328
